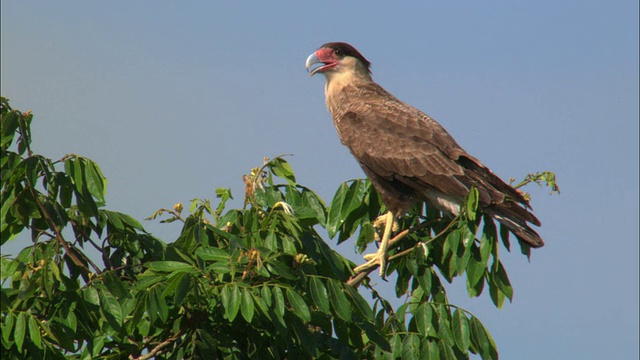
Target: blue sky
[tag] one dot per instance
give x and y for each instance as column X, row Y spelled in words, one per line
column 176, row 99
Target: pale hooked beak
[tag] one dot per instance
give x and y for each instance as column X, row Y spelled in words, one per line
column 312, row 60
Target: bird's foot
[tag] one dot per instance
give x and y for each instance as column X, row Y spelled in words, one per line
column 379, row 226
column 379, row 258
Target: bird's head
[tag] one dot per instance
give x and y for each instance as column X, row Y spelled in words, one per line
column 337, row 57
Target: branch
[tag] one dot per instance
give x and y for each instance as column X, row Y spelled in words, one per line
column 153, row 352
column 364, row 270
column 58, row 234
column 174, row 212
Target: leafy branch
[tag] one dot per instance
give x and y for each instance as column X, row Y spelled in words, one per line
column 255, row 282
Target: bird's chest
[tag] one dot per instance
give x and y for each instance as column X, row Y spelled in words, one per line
column 341, row 120
column 345, row 109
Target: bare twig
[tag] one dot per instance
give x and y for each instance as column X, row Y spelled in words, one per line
column 153, row 352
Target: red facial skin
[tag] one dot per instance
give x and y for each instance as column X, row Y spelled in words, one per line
column 328, row 57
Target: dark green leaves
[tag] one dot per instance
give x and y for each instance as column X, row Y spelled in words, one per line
column 170, row 266
column 461, row 332
column 349, row 208
column 471, row 203
column 246, row 305
column 499, row 285
column 298, row 305
column 257, row 281
column 281, row 168
column 319, row 294
column 482, row 340
column 87, row 177
column 14, row 122
column 339, row 302
column 230, row 296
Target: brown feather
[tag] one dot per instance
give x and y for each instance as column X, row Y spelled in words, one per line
column 408, row 156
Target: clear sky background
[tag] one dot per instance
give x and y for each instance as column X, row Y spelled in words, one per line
column 175, row 99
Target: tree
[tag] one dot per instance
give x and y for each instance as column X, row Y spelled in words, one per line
column 256, row 282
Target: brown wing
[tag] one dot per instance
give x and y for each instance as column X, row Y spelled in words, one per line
column 398, row 142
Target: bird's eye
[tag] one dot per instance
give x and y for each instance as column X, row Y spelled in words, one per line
column 337, row 52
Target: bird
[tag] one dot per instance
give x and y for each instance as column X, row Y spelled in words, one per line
column 406, row 154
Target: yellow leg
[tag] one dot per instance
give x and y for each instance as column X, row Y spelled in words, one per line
column 380, row 257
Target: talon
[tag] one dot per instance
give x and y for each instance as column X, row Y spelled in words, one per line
column 380, row 257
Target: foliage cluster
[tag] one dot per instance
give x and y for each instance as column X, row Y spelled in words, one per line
column 255, row 282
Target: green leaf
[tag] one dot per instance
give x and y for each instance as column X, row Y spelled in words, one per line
column 234, row 302
column 277, row 268
column 396, row 346
column 115, row 285
column 265, row 294
column 486, row 246
column 444, row 327
column 7, row 326
column 463, row 256
column 496, row 296
column 281, row 168
column 173, row 284
column 453, row 240
column 225, row 298
column 353, row 210
column 339, row 301
column 213, row 254
column 70, row 165
column 503, row 281
column 305, row 212
column 183, row 289
column 468, row 236
column 430, row 349
column 96, row 182
column 91, row 295
column 445, row 351
column 259, row 302
column 278, row 301
column 504, row 236
column 71, row 321
column 224, row 195
column 8, row 129
column 475, row 273
column 20, row 331
column 129, row 220
column 34, row 332
column 111, row 306
column 460, row 325
column 410, row 346
column 246, row 306
column 422, row 317
column 97, row 345
column 499, row 285
column 334, row 216
column 313, row 201
column 300, row 308
column 359, row 302
column 473, row 199
column 319, row 294
column 483, row 341
column 353, row 199
column 170, row 266
column 114, row 219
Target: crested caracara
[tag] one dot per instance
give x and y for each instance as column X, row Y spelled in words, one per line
column 407, row 155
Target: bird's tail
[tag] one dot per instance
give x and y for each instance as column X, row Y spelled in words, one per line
column 516, row 219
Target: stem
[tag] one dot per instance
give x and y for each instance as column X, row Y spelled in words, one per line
column 364, row 270
column 58, row 235
column 153, row 352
